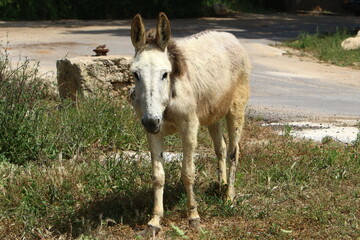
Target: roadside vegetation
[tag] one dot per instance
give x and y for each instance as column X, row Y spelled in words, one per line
column 65, row 174
column 326, row 47
column 114, row 9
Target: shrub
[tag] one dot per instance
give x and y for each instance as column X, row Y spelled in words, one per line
column 95, row 9
column 36, row 128
column 20, row 112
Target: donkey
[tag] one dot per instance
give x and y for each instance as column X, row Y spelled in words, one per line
column 180, row 85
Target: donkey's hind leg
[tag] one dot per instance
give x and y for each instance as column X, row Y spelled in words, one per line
column 235, row 121
column 220, row 150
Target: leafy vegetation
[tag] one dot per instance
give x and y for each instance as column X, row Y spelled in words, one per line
column 67, row 174
column 95, row 9
column 327, row 47
column 113, row 9
column 36, row 127
column 20, row 112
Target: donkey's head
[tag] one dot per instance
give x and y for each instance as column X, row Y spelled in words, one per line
column 151, row 68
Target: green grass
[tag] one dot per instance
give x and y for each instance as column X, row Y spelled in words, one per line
column 63, row 176
column 286, row 189
column 36, row 127
column 327, row 47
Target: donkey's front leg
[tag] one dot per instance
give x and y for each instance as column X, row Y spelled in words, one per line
column 189, row 142
column 158, row 174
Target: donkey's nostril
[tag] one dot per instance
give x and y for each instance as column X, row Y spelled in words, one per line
column 152, row 125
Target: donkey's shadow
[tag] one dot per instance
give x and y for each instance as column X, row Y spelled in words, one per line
column 131, row 209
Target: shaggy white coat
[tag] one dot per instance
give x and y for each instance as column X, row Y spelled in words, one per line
column 200, row 81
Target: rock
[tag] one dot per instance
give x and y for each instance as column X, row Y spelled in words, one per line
column 101, row 50
column 351, row 43
column 220, row 10
column 85, row 76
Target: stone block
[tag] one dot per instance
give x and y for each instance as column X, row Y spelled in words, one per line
column 89, row 75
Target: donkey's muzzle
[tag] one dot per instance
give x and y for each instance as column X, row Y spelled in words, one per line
column 151, row 124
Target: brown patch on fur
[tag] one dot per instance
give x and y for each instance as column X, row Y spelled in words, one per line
column 166, row 114
column 177, row 60
column 150, row 36
column 178, row 65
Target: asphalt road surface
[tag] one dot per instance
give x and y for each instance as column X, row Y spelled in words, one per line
column 283, row 87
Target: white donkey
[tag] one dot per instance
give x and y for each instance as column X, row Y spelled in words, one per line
column 181, row 85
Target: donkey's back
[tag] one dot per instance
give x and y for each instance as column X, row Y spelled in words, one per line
column 217, row 68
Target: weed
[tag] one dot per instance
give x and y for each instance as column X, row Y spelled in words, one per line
column 204, row 234
column 21, row 112
column 177, row 233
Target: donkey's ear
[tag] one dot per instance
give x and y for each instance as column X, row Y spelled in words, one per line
column 163, row 32
column 137, row 32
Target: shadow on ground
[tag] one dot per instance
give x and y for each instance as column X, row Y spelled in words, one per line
column 119, row 208
column 274, row 27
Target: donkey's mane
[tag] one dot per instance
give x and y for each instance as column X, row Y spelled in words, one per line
column 175, row 54
column 199, row 34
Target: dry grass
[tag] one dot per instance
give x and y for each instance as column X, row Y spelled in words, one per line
column 286, row 189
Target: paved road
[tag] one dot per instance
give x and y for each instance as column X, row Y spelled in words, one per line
column 282, row 86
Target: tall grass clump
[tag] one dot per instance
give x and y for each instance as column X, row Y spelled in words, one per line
column 21, row 113
column 94, row 123
column 327, row 47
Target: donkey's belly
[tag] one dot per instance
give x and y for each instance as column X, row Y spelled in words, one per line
column 214, row 108
column 212, row 114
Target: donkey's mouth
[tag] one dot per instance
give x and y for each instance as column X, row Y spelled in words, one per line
column 153, row 130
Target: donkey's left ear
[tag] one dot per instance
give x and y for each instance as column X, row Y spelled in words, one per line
column 137, row 32
column 163, row 32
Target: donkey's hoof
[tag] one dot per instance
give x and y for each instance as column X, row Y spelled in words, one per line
column 150, row 231
column 154, row 223
column 229, row 199
column 194, row 223
column 153, row 229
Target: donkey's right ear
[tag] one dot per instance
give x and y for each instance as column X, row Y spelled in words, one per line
column 163, row 31
column 138, row 32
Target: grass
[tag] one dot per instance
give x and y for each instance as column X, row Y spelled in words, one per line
column 326, row 47
column 77, row 184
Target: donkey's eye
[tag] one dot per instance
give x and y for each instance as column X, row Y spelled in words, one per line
column 164, row 75
column 136, row 75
